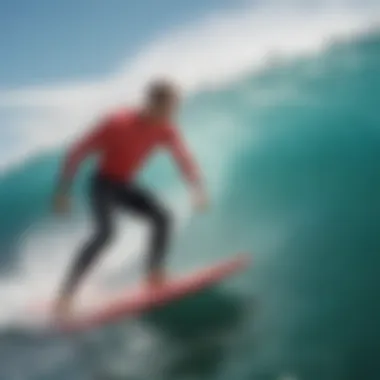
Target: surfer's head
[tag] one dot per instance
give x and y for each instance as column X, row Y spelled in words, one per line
column 161, row 99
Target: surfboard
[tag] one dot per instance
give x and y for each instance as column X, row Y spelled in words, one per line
column 132, row 302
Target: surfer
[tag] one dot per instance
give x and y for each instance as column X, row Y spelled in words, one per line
column 123, row 141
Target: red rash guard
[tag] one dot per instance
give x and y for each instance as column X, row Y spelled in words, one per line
column 124, row 141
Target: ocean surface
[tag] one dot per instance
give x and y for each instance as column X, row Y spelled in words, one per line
column 291, row 154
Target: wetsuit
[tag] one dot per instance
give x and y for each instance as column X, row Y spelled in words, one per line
column 123, row 142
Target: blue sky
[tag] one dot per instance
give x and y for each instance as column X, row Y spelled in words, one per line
column 44, row 40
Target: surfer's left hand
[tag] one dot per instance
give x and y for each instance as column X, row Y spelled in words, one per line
column 200, row 199
column 61, row 204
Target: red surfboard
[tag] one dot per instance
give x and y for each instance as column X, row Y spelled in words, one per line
column 135, row 301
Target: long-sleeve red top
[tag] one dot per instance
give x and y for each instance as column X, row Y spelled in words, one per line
column 123, row 142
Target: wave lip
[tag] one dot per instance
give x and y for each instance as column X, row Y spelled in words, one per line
column 201, row 55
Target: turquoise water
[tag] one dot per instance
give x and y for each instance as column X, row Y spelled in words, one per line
column 292, row 157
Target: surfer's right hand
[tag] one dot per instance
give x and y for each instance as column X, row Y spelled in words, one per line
column 61, row 204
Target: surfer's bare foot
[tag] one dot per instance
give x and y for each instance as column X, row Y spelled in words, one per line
column 156, row 278
column 63, row 308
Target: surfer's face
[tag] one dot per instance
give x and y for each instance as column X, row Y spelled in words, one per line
column 167, row 108
column 163, row 101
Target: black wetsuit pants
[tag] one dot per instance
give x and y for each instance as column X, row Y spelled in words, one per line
column 105, row 196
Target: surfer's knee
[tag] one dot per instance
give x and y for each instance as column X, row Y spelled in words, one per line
column 162, row 219
column 103, row 235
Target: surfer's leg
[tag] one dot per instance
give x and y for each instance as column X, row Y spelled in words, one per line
column 101, row 205
column 144, row 203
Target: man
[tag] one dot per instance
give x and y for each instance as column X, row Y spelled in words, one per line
column 123, row 141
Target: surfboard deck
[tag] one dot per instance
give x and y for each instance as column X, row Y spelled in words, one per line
column 143, row 298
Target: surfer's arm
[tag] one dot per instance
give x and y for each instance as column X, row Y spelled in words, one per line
column 187, row 165
column 183, row 158
column 88, row 144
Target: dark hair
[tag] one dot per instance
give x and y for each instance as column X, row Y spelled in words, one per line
column 161, row 91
